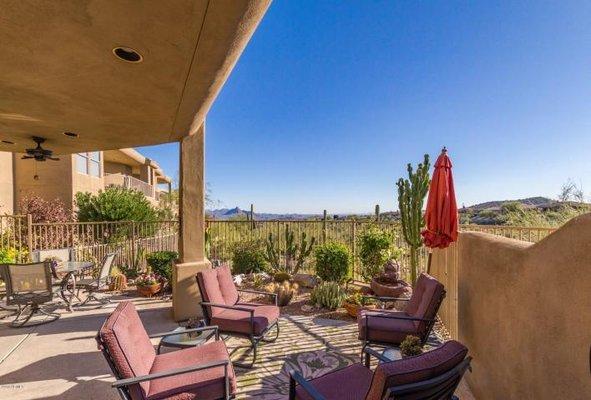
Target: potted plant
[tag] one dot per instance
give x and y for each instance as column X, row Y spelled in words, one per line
column 356, row 302
column 148, row 284
column 411, row 346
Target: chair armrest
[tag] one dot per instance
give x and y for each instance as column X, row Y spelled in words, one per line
column 202, row 329
column 372, row 314
column 371, row 352
column 208, row 304
column 386, row 298
column 171, row 372
column 274, row 295
column 294, row 377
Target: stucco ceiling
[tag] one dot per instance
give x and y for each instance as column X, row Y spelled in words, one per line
column 58, row 72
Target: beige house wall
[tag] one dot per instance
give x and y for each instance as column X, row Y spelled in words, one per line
column 524, row 311
column 6, row 184
column 54, row 179
column 86, row 183
column 116, row 168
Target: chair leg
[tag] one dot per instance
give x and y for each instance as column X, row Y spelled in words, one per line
column 253, row 346
column 35, row 309
column 264, row 339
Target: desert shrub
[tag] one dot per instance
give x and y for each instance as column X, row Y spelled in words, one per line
column 160, row 262
column 248, row 257
column 42, row 210
column 114, row 204
column 375, row 248
column 329, row 295
column 333, row 261
column 411, row 346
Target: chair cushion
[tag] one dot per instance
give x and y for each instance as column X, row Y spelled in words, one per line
column 129, row 345
column 227, row 287
column 239, row 321
column 388, row 330
column 415, row 369
column 206, row 384
column 217, row 286
column 349, row 383
column 425, row 299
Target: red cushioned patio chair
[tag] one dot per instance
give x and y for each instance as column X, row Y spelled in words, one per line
column 204, row 372
column 390, row 328
column 222, row 307
column 433, row 375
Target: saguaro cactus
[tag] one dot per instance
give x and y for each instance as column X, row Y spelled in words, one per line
column 411, row 196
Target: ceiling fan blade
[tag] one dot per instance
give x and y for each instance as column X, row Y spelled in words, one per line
column 26, row 157
column 53, row 158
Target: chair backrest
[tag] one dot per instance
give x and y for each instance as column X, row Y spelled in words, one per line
column 127, row 347
column 61, row 254
column 28, row 283
column 217, row 286
column 431, row 375
column 426, row 298
column 106, row 268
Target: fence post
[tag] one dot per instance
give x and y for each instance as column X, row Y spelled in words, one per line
column 354, row 246
column 132, row 240
column 324, row 228
column 252, row 216
column 377, row 213
column 30, row 235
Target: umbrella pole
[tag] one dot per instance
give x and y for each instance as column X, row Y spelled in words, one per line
column 429, row 262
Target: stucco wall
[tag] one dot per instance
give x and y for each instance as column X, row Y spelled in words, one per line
column 117, row 168
column 54, row 179
column 6, row 184
column 524, row 311
column 86, row 183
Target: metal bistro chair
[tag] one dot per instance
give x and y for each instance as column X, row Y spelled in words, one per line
column 28, row 286
column 92, row 285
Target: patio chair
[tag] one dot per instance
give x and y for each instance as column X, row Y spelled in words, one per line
column 28, row 286
column 388, row 328
column 433, row 375
column 222, row 307
column 203, row 372
column 92, row 285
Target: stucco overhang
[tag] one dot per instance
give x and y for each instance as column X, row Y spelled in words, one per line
column 58, row 72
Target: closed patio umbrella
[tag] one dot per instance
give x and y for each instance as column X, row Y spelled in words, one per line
column 441, row 216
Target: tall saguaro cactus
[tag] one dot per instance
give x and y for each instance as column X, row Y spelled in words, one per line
column 411, row 196
column 295, row 253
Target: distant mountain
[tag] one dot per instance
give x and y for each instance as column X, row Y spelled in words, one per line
column 530, row 202
column 238, row 213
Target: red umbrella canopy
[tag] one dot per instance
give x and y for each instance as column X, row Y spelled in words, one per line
column 441, row 216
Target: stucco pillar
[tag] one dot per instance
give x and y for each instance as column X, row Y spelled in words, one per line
column 192, row 227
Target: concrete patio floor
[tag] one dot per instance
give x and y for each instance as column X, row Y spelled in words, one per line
column 60, row 360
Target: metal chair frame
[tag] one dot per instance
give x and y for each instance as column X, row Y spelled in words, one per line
column 97, row 284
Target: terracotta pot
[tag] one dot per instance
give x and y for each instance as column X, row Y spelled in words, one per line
column 150, row 290
column 353, row 309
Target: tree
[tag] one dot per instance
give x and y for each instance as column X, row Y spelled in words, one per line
column 570, row 191
column 114, row 204
column 42, row 210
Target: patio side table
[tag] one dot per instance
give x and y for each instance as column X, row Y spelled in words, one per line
column 184, row 340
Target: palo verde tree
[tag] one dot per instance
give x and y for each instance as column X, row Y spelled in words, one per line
column 411, row 196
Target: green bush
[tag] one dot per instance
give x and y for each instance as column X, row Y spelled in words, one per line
column 375, row 248
column 160, row 263
column 114, row 204
column 10, row 255
column 333, row 261
column 248, row 257
column 328, row 295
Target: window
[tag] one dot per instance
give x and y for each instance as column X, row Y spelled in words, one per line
column 89, row 163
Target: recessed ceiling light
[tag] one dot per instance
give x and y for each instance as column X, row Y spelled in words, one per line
column 127, row 54
column 7, row 142
column 71, row 134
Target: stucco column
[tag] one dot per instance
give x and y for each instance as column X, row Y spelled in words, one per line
column 192, row 258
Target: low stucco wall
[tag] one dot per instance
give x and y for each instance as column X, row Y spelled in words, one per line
column 524, row 311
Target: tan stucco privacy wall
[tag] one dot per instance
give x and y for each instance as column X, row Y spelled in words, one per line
column 6, row 183
column 524, row 311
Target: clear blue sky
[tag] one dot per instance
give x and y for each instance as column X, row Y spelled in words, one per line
column 331, row 99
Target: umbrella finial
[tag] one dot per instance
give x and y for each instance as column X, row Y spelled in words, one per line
column 444, row 150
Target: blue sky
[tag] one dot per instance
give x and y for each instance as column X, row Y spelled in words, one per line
column 331, row 99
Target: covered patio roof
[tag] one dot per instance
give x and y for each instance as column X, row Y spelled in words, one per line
column 61, row 73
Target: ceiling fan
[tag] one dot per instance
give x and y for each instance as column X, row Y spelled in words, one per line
column 39, row 153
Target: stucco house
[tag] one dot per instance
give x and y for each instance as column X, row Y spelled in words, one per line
column 79, row 172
